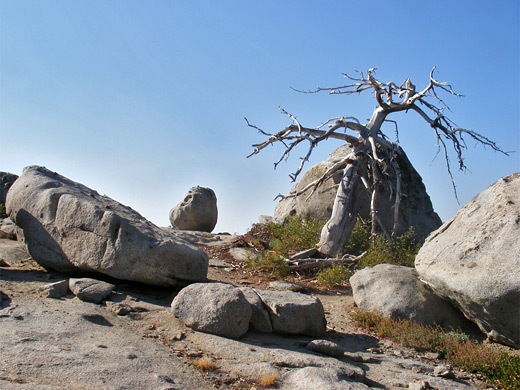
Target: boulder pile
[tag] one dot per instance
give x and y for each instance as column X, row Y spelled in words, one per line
column 6, row 181
column 471, row 264
column 229, row 311
column 473, row 260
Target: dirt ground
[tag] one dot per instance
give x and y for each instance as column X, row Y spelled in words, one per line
column 132, row 340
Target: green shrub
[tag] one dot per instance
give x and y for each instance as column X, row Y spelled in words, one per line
column 294, row 235
column 281, row 241
column 277, row 242
column 333, row 276
column 2, row 211
column 401, row 251
column 501, row 370
column 270, row 263
column 359, row 240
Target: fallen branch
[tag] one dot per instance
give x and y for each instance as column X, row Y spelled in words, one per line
column 310, row 263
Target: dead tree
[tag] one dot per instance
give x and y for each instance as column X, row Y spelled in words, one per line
column 374, row 155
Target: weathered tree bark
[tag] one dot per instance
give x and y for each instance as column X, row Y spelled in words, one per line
column 337, row 230
column 374, row 155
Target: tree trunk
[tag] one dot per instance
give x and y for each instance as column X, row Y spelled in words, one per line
column 337, row 230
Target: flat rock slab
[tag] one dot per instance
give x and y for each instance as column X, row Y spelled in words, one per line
column 326, row 347
column 323, row 378
column 216, row 263
column 216, row 308
column 294, row 313
column 90, row 290
column 70, row 344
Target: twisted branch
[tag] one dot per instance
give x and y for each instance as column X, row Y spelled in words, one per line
column 373, row 151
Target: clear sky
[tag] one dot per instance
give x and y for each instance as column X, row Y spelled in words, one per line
column 141, row 100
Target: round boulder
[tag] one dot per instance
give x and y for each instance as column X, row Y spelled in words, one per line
column 90, row 290
column 396, row 292
column 198, row 211
column 215, row 308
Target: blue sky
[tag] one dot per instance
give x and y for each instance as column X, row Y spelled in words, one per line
column 142, row 100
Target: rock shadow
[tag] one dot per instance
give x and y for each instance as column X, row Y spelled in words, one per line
column 97, row 319
column 5, row 301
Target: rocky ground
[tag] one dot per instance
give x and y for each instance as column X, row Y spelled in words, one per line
column 132, row 340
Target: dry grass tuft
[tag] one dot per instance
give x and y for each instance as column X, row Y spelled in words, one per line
column 268, row 380
column 205, row 364
column 499, row 369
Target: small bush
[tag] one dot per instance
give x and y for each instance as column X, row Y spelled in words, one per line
column 270, row 263
column 359, row 240
column 401, row 251
column 2, row 211
column 268, row 380
column 295, row 235
column 335, row 275
column 278, row 242
column 500, row 369
column 205, row 364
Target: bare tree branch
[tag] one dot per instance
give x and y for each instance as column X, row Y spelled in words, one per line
column 373, row 158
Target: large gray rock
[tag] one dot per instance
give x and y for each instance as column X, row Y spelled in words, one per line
column 396, row 292
column 6, row 181
column 415, row 209
column 198, row 211
column 294, row 313
column 68, row 227
column 216, row 308
column 474, row 260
